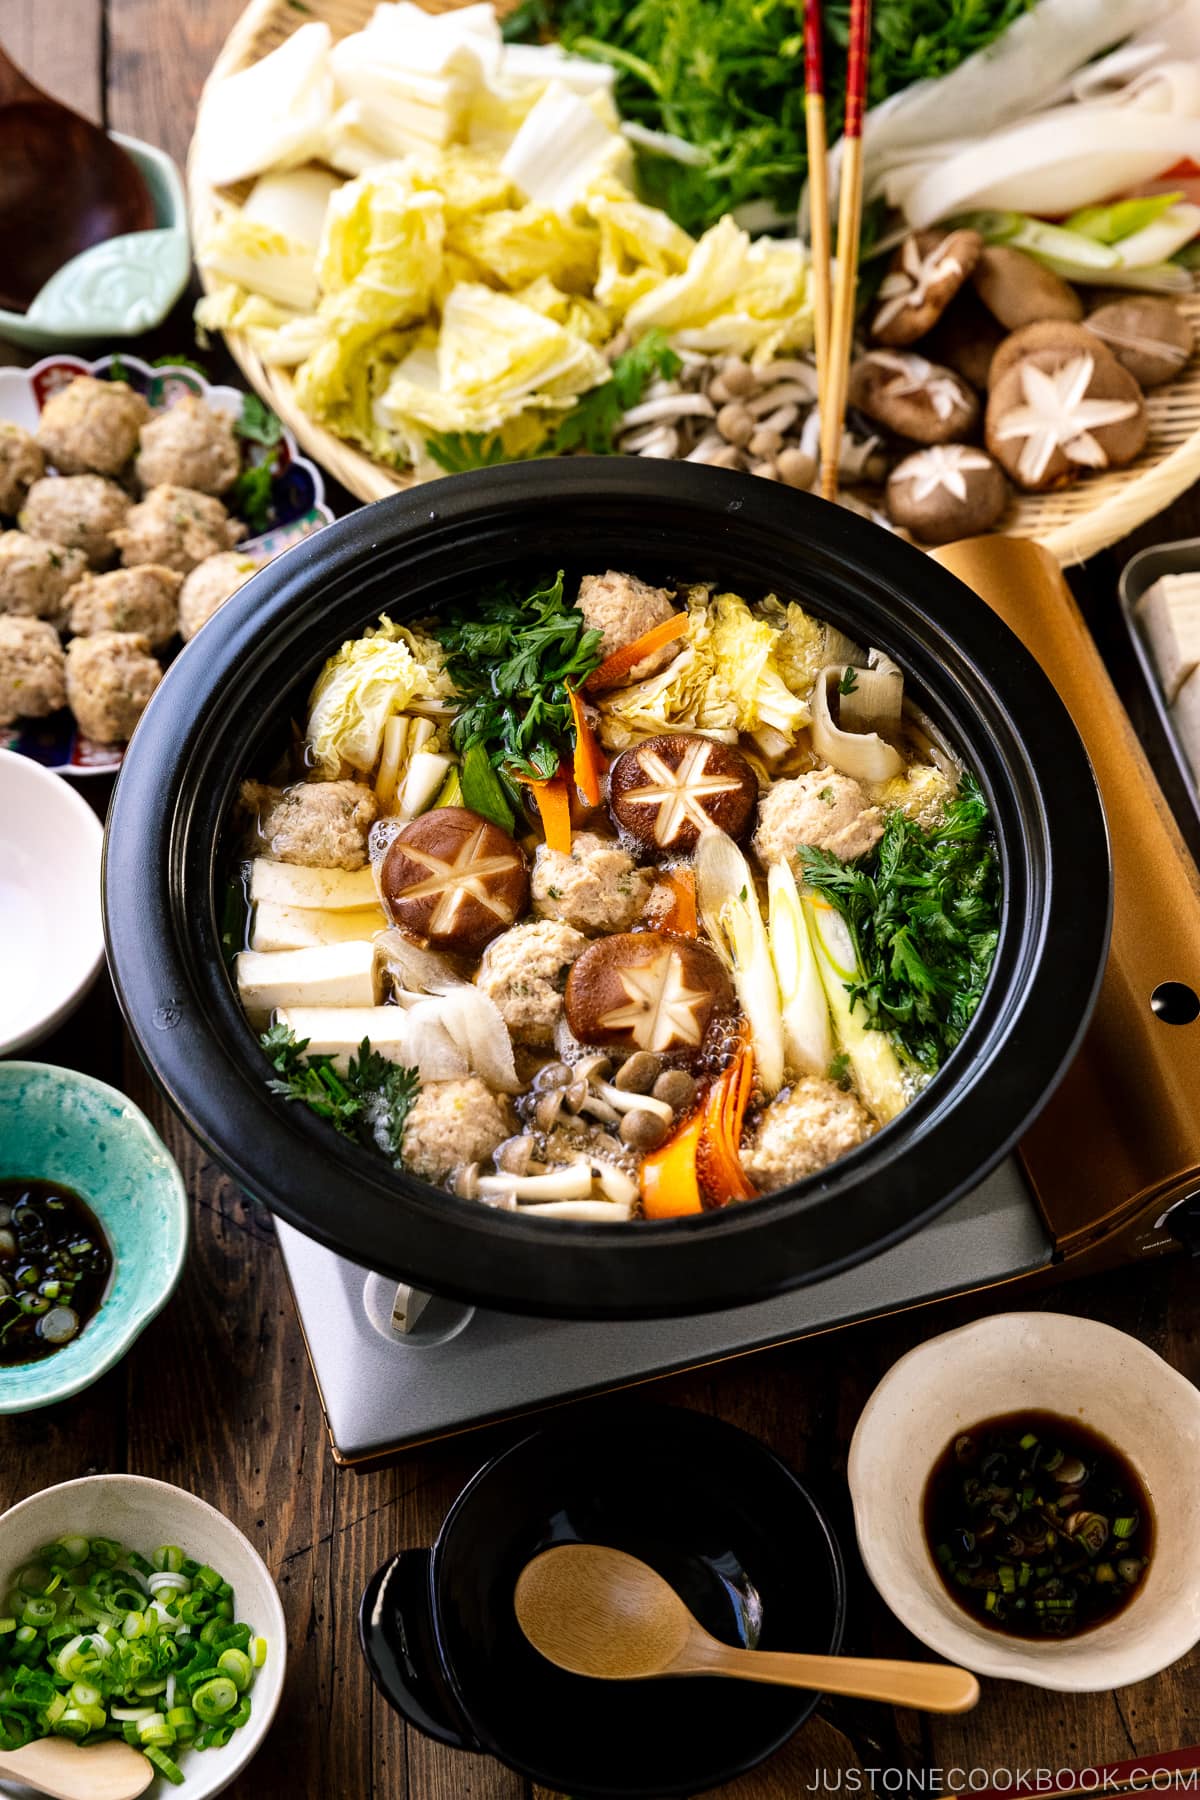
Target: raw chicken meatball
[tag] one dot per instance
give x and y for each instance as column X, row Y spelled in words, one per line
column 21, row 464
column 597, row 888
column 320, row 824
column 84, row 512
column 92, row 426
column 178, row 527
column 452, row 1123
column 525, row 971
column 209, row 586
column 804, row 1130
column 141, row 599
column 822, row 808
column 110, row 678
column 189, row 445
column 624, row 609
column 35, row 575
column 32, row 680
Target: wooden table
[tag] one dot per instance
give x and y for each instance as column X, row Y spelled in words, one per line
column 218, row 1397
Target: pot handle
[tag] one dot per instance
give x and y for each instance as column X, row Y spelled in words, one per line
column 395, row 1628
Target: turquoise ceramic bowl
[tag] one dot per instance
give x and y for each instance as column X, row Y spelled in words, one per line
column 59, row 1126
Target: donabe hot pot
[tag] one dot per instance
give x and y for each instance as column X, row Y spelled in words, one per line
column 222, row 713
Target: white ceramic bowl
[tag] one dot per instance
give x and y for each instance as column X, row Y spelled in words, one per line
column 1051, row 1362
column 51, row 938
column 141, row 1514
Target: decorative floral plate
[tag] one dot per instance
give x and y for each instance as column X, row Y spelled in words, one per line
column 297, row 508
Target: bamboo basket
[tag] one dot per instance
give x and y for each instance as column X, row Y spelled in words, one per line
column 1072, row 523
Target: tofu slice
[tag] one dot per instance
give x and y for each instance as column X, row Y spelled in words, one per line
column 1170, row 616
column 323, row 975
column 1186, row 714
column 279, row 927
column 329, row 890
column 337, row 1031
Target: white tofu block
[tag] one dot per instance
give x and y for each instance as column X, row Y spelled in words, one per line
column 278, row 927
column 1170, row 616
column 338, row 1031
column 287, row 884
column 326, row 975
column 1186, row 714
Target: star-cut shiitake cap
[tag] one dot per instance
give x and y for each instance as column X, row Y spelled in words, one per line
column 947, row 491
column 1055, row 416
column 646, row 990
column 1062, row 336
column 925, row 273
column 1147, row 333
column 667, row 790
column 453, row 881
column 913, row 397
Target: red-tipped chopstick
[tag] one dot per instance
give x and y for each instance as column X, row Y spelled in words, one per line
column 841, row 321
column 818, row 187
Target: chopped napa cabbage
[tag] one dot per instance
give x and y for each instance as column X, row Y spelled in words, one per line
column 342, row 389
column 230, row 308
column 921, row 792
column 726, row 679
column 544, row 63
column 270, row 115
column 735, row 296
column 581, row 316
column 463, row 40
column 255, row 256
column 566, row 143
column 494, row 358
column 293, row 202
column 371, row 678
column 518, row 245
column 806, row 645
column 639, row 245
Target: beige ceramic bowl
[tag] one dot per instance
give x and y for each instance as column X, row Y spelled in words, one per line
column 1048, row 1362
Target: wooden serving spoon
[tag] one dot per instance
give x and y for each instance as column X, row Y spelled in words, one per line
column 64, row 186
column 599, row 1612
column 67, row 1771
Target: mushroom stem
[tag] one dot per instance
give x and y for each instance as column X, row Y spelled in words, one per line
column 667, row 406
column 626, row 1102
column 569, row 1181
column 614, row 1182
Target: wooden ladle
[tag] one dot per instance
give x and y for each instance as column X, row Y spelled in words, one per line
column 64, row 186
column 600, row 1612
column 67, row 1771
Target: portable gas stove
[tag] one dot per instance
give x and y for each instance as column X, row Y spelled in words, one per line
column 1109, row 1172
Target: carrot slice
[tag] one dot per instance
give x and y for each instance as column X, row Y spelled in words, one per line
column 554, row 806
column 669, row 1181
column 615, row 667
column 682, row 915
column 723, row 1113
column 590, row 761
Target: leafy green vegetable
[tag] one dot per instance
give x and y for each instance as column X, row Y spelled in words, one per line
column 179, row 362
column 482, row 789
column 250, row 496
column 924, row 912
column 258, row 423
column 728, row 77
column 457, row 451
column 371, row 1101
column 511, row 658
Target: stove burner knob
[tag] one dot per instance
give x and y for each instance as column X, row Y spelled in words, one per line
column 1182, row 1222
column 1175, row 1003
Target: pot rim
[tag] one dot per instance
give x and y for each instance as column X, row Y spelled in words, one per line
column 162, row 863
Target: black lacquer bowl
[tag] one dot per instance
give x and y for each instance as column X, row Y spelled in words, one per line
column 223, row 710
column 714, row 1511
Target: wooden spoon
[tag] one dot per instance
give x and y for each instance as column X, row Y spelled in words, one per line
column 602, row 1613
column 64, row 186
column 67, row 1771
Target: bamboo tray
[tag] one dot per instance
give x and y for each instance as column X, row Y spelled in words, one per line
column 1072, row 524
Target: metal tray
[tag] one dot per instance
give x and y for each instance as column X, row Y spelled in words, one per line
column 1140, row 573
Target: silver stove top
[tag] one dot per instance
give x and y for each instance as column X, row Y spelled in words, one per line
column 461, row 1366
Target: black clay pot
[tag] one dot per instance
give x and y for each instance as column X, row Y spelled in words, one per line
column 714, row 1511
column 222, row 712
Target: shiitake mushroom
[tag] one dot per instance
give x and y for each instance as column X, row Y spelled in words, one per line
column 646, row 990
column 670, row 788
column 453, row 881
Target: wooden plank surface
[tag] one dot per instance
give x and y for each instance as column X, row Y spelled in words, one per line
column 218, row 1396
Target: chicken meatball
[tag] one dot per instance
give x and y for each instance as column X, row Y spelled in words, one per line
column 189, row 445
column 84, row 512
column 209, row 586
column 320, row 824
column 141, row 600
column 35, row 575
column 806, row 1128
column 110, row 678
column 178, row 527
column 597, row 888
column 624, row 609
column 822, row 808
column 452, row 1123
column 525, row 971
column 32, row 680
column 91, row 427
column 21, row 464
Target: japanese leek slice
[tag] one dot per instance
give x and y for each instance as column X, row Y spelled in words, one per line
column 873, row 1062
column 733, row 921
column 807, row 1033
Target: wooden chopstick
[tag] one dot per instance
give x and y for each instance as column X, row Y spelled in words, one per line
column 818, row 187
column 841, row 320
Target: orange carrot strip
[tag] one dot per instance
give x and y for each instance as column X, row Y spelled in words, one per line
column 615, row 667
column 723, row 1113
column 554, row 806
column 668, row 1178
column 590, row 760
column 682, row 916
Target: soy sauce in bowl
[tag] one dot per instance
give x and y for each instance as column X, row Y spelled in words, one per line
column 55, row 1262
column 1037, row 1525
